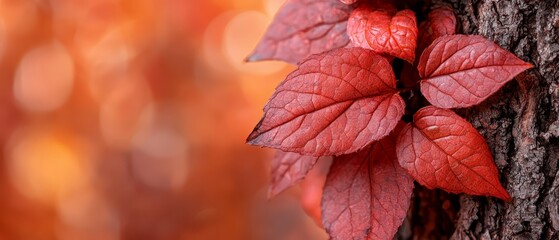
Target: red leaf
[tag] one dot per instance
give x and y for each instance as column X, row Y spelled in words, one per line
column 442, row 150
column 312, row 186
column 367, row 194
column 334, row 103
column 462, row 71
column 441, row 21
column 287, row 169
column 383, row 31
column 302, row 28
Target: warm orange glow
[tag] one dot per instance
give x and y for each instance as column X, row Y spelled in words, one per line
column 44, row 166
column 124, row 110
column 126, row 119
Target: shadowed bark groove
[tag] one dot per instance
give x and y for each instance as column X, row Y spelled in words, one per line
column 521, row 125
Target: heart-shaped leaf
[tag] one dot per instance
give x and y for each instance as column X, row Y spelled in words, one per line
column 302, row 28
column 384, row 31
column 461, row 71
column 335, row 103
column 442, row 150
column 288, row 168
column 367, row 194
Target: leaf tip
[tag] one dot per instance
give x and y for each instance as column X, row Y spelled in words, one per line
column 253, row 57
column 504, row 195
column 272, row 192
column 252, row 139
column 410, row 59
column 498, row 191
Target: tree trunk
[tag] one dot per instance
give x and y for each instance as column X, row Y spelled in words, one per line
column 521, row 126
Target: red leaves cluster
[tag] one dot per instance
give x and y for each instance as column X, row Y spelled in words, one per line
column 344, row 102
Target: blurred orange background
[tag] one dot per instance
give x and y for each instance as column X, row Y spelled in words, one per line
column 126, row 119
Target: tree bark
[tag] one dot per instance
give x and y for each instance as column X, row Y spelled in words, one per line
column 521, row 126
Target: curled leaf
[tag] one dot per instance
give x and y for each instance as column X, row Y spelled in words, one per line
column 302, row 28
column 335, row 103
column 384, row 31
column 442, row 150
column 461, row 71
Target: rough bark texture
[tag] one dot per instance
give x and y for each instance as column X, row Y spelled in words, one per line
column 521, row 126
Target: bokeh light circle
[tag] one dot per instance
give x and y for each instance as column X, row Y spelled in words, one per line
column 44, row 165
column 44, row 78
